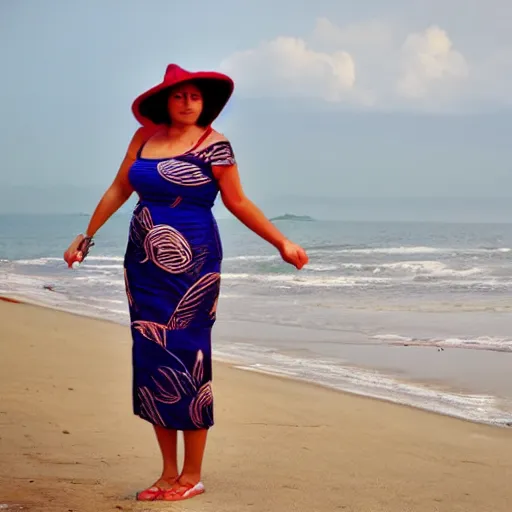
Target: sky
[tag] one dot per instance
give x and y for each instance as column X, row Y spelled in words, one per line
column 334, row 100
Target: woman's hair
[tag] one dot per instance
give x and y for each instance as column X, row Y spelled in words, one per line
column 156, row 109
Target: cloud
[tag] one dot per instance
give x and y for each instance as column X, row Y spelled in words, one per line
column 287, row 66
column 375, row 63
column 430, row 65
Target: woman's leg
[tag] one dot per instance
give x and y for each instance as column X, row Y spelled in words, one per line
column 167, row 440
column 195, row 443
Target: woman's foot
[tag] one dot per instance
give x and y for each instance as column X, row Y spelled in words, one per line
column 187, row 486
column 158, row 489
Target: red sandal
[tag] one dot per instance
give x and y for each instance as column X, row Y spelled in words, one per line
column 151, row 494
column 154, row 492
column 186, row 492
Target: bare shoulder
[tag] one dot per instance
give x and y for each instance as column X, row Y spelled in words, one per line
column 215, row 137
column 141, row 136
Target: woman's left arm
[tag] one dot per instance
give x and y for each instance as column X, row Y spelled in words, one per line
column 248, row 213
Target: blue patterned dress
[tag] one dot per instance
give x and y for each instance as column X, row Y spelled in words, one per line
column 172, row 276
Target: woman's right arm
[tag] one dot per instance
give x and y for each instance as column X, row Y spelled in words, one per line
column 120, row 190
column 115, row 196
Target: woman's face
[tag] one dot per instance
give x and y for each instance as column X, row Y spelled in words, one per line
column 185, row 104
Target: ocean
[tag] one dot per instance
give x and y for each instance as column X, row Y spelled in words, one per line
column 417, row 313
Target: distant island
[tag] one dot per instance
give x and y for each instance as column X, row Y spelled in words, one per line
column 289, row 216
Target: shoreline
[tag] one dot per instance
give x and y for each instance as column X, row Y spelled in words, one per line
column 501, row 426
column 424, row 384
column 70, row 440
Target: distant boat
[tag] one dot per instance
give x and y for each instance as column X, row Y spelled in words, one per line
column 290, row 216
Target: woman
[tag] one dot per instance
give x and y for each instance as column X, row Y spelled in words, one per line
column 177, row 164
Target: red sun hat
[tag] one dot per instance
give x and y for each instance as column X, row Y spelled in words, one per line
column 150, row 108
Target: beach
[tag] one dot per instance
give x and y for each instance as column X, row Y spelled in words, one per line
column 69, row 440
column 418, row 314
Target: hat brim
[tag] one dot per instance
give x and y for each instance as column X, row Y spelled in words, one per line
column 150, row 108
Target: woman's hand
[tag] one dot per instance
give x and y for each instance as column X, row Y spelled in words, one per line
column 293, row 254
column 73, row 253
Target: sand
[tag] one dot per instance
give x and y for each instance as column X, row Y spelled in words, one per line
column 69, row 440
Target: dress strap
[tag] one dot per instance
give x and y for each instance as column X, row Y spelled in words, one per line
column 139, row 152
column 201, row 139
column 147, row 135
